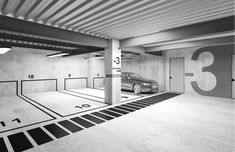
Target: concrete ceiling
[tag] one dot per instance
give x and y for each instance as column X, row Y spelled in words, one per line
column 117, row 19
column 126, row 20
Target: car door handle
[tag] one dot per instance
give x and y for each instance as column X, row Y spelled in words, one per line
column 233, row 80
column 171, row 78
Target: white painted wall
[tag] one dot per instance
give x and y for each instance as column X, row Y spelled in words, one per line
column 233, row 68
column 150, row 67
column 96, row 68
column 205, row 80
column 18, row 63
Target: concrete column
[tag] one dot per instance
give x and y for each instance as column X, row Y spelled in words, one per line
column 112, row 73
column 90, row 74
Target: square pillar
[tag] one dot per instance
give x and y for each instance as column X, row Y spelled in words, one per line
column 112, row 73
column 90, row 74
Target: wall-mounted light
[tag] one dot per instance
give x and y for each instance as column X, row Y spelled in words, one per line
column 57, row 55
column 3, row 50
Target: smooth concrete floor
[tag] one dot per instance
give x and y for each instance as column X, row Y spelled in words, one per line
column 99, row 93
column 64, row 104
column 185, row 123
column 13, row 108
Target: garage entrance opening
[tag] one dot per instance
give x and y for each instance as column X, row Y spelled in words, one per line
column 176, row 78
column 233, row 77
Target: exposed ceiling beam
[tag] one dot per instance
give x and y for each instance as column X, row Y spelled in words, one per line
column 79, row 52
column 32, row 45
column 44, row 31
column 45, row 9
column 20, row 4
column 207, row 42
column 72, row 11
column 45, row 20
column 17, row 37
column 205, row 37
column 26, row 16
column 195, row 30
column 136, row 49
column 4, row 6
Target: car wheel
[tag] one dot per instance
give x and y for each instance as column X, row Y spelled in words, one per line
column 137, row 89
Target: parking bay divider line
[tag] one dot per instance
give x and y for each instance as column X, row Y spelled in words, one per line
column 107, row 117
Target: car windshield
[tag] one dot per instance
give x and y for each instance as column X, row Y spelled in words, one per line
column 135, row 76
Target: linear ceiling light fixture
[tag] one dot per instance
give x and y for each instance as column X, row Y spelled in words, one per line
column 4, row 49
column 57, row 55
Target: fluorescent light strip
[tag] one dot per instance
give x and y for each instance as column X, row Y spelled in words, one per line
column 3, row 50
column 57, row 55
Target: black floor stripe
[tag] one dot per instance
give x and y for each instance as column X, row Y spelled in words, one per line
column 110, row 113
column 152, row 101
column 39, row 136
column 19, row 142
column 56, row 131
column 137, row 105
column 128, row 108
column 106, row 117
column 93, row 119
column 163, row 96
column 159, row 98
column 3, row 147
column 118, row 111
column 132, row 107
column 123, row 108
column 156, row 100
column 145, row 103
column 82, row 122
column 70, row 126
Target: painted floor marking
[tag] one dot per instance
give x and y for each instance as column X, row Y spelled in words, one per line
column 20, row 142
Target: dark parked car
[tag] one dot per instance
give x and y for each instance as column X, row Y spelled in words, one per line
column 135, row 82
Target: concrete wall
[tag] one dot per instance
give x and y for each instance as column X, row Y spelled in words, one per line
column 216, row 61
column 150, row 67
column 96, row 73
column 8, row 88
column 75, row 83
column 18, row 63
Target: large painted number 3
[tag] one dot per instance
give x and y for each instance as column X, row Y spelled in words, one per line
column 221, row 68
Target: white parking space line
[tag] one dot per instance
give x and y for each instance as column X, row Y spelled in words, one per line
column 15, row 113
column 64, row 104
column 99, row 93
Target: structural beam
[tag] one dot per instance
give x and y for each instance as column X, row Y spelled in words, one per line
column 204, row 42
column 40, row 30
column 135, row 49
column 195, row 30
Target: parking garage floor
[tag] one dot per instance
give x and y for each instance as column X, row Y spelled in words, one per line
column 163, row 122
